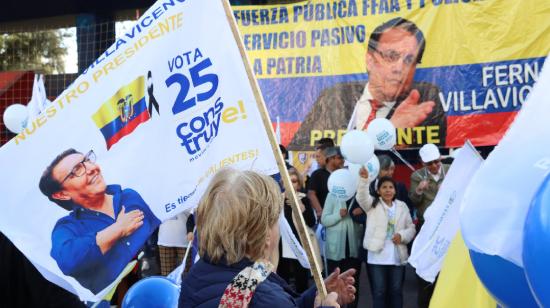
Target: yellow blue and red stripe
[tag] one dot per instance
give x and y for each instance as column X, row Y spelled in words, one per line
column 123, row 112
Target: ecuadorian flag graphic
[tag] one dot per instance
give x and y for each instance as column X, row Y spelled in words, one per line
column 123, row 112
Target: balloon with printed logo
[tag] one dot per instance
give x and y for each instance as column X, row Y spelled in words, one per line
column 357, row 147
column 382, row 133
column 373, row 167
column 15, row 118
column 341, row 184
column 504, row 280
column 152, row 292
column 536, row 244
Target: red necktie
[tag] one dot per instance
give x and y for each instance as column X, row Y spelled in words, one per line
column 373, row 108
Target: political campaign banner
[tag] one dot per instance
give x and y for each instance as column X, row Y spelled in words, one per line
column 495, row 205
column 133, row 141
column 443, row 71
column 441, row 219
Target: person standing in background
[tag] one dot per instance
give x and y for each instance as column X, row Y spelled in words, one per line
column 425, row 184
column 389, row 228
column 317, row 189
column 290, row 268
column 342, row 233
column 172, row 242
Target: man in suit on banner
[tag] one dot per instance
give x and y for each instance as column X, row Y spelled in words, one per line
column 414, row 108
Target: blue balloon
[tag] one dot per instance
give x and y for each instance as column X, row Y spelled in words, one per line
column 152, row 292
column 504, row 280
column 536, row 244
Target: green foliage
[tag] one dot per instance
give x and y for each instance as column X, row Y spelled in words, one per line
column 41, row 51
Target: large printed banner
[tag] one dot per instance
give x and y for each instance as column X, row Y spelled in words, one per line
column 442, row 71
column 507, row 182
column 132, row 142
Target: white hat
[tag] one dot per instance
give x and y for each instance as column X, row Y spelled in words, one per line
column 429, row 152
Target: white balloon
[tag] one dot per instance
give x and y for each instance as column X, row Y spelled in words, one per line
column 382, row 133
column 341, row 184
column 15, row 118
column 373, row 167
column 357, row 147
column 354, row 169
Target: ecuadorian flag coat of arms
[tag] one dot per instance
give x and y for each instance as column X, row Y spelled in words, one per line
column 123, row 112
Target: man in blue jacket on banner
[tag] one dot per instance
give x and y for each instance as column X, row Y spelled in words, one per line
column 106, row 226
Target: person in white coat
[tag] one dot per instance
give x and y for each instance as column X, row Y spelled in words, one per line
column 388, row 230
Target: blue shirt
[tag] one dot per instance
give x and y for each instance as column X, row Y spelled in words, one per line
column 74, row 246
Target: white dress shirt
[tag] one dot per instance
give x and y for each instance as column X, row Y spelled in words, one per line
column 363, row 108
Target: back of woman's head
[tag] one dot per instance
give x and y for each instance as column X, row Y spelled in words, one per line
column 235, row 214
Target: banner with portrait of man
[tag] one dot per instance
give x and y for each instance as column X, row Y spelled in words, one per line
column 133, row 141
column 441, row 71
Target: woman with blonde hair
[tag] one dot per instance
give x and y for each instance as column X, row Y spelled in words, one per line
column 237, row 229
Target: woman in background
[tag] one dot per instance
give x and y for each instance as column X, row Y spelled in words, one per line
column 389, row 228
column 290, row 268
column 343, row 236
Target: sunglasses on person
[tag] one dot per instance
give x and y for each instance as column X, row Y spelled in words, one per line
column 433, row 162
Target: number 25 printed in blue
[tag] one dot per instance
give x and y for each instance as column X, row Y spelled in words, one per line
column 183, row 103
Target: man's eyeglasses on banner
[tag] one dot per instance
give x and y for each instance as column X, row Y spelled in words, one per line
column 392, row 56
column 80, row 168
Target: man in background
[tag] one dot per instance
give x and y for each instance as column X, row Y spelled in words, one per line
column 317, row 190
column 425, row 184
